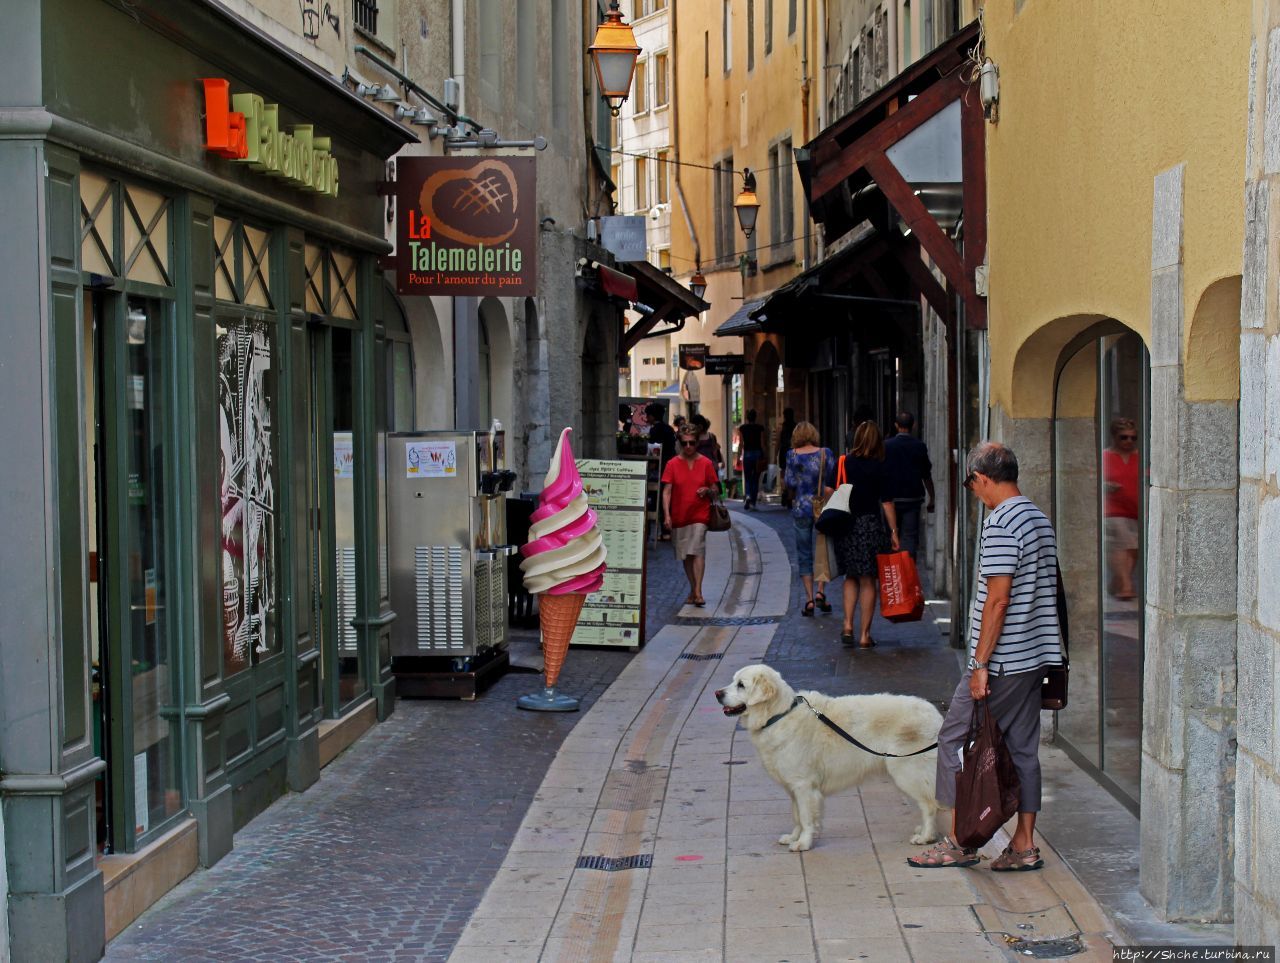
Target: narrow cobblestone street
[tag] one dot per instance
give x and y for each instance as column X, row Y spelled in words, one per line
column 456, row 830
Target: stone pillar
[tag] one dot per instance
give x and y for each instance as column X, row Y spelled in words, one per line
column 1188, row 725
column 1257, row 889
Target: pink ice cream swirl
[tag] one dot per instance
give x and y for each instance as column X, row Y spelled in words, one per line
column 565, row 552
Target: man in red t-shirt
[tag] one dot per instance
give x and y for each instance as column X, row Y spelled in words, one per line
column 1120, row 464
column 688, row 484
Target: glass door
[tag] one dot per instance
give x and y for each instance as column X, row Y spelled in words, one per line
column 140, row 717
column 335, row 571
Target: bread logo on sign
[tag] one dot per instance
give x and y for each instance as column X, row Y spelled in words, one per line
column 483, row 197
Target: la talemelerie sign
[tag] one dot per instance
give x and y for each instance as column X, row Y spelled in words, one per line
column 466, row 225
column 242, row 127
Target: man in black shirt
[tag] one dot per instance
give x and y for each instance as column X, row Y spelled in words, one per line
column 906, row 462
column 661, row 433
column 753, row 457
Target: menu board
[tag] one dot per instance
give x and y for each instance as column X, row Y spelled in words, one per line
column 615, row 614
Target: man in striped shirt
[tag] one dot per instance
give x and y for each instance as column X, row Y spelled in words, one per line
column 1013, row 636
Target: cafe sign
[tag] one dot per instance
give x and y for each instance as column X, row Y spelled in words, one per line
column 244, row 128
column 466, row 226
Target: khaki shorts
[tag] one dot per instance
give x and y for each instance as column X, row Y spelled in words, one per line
column 689, row 540
column 1122, row 534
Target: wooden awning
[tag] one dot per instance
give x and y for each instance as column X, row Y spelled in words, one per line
column 669, row 300
column 853, row 154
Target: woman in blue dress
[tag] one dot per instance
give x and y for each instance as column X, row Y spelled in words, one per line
column 810, row 473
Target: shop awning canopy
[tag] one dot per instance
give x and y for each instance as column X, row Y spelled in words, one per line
column 741, row 322
column 670, row 391
column 910, row 159
column 870, row 272
column 670, row 301
column 618, row 284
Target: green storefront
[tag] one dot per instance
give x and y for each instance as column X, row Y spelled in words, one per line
column 194, row 386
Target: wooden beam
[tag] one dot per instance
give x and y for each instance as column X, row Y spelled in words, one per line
column 912, row 210
column 834, row 164
column 634, row 334
column 909, row 257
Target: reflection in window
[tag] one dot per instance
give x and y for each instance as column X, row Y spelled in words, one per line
column 1100, row 412
column 246, row 484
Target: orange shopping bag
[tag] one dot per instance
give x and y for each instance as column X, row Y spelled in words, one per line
column 901, row 597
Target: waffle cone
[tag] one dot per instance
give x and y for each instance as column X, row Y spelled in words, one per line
column 558, row 615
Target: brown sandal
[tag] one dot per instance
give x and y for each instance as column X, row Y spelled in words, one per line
column 1013, row 861
column 944, row 855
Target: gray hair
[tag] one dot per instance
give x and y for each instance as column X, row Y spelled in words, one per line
column 994, row 460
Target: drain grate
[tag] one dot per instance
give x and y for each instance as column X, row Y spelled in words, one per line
column 612, row 864
column 1045, row 949
column 731, row 620
column 701, row 657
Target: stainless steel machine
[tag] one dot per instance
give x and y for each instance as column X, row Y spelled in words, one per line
column 446, row 522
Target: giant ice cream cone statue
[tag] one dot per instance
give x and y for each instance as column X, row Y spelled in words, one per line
column 563, row 564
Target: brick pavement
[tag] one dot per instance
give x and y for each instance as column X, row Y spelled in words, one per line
column 387, row 856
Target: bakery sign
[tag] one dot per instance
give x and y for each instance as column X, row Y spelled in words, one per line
column 466, row 225
column 243, row 127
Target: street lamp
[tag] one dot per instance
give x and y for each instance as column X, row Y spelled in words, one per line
column 698, row 283
column 745, row 205
column 614, row 52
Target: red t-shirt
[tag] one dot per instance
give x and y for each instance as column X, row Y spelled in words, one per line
column 686, row 507
column 1123, row 502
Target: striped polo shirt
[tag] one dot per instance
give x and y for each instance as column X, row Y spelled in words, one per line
column 1018, row 540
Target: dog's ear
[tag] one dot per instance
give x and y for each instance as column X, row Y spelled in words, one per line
column 762, row 689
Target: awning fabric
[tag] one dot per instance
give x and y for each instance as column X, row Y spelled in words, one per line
column 741, row 322
column 618, row 284
column 670, row 391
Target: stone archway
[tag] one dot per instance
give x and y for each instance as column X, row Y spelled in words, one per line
column 432, row 368
column 496, row 329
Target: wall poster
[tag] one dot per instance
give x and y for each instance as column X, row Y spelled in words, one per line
column 615, row 614
column 246, row 470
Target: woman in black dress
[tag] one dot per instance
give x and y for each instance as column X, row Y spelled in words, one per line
column 870, row 507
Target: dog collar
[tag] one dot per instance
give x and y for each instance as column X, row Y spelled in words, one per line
column 772, row 719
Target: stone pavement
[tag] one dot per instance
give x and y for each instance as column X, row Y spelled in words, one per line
column 392, row 852
column 654, row 834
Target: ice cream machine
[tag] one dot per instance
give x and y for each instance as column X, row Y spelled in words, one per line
column 446, row 523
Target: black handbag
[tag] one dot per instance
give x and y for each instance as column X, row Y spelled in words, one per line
column 1053, row 690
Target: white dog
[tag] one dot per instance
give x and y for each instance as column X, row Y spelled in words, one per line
column 810, row 761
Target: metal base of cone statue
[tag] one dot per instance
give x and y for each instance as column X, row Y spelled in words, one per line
column 548, row 700
column 558, row 615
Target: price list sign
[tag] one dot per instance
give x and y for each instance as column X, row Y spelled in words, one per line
column 615, row 614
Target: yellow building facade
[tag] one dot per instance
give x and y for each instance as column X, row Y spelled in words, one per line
column 741, row 101
column 1116, row 225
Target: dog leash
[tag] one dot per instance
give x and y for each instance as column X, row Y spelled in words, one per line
column 794, row 702
column 844, row 735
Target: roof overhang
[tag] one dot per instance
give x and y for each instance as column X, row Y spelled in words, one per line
column 742, row 322
column 670, row 300
column 918, row 144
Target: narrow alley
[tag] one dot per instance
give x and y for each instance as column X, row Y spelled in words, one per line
column 642, row 828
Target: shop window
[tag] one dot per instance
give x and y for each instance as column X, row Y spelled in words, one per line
column 330, row 287
column 242, row 263
column 1100, row 493
column 141, row 252
column 247, row 487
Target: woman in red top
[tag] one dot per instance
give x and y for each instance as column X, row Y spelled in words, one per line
column 1120, row 464
column 688, row 484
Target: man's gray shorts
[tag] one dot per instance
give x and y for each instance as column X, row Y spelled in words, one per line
column 1014, row 703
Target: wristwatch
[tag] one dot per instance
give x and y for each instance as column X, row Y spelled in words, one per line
column 975, row 664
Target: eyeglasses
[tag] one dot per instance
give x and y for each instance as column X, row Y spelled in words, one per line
column 1127, row 437
column 689, row 444
column 969, row 479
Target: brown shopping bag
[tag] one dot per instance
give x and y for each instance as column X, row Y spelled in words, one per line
column 987, row 784
column 901, row 597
